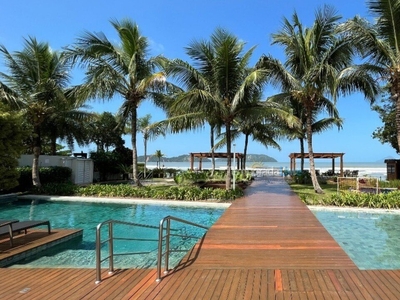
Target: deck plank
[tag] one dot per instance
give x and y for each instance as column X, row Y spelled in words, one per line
column 267, row 245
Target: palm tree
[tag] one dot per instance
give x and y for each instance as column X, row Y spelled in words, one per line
column 380, row 43
column 159, row 155
column 149, row 133
column 218, row 84
column 119, row 69
column 318, row 125
column 318, row 68
column 67, row 123
column 35, row 84
column 262, row 121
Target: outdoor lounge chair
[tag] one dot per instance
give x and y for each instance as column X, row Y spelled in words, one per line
column 14, row 226
column 4, row 222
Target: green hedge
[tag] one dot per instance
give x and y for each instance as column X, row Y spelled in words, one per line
column 161, row 192
column 46, row 174
column 150, row 192
column 383, row 200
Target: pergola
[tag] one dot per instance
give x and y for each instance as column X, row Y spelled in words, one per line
column 333, row 156
column 200, row 155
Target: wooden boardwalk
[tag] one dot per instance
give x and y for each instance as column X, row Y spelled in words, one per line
column 267, row 245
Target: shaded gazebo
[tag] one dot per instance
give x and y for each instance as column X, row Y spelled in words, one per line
column 325, row 155
column 200, row 155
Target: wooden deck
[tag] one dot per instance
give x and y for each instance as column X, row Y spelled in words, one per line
column 267, row 245
column 36, row 240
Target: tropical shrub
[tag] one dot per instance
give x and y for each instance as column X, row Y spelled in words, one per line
column 302, row 177
column 190, row 177
column 389, row 200
column 47, row 175
column 11, row 147
column 59, row 189
column 187, row 193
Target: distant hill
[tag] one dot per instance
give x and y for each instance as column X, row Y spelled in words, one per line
column 186, row 158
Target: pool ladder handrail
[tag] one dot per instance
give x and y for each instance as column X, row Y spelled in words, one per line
column 167, row 221
column 110, row 241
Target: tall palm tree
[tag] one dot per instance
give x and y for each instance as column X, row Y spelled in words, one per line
column 36, row 83
column 122, row 69
column 318, row 69
column 318, row 125
column 159, row 155
column 380, row 43
column 262, row 121
column 67, row 122
column 218, row 84
column 149, row 132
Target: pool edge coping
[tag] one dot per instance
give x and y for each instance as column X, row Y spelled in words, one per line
column 125, row 201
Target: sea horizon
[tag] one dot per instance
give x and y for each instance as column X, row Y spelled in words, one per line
column 368, row 169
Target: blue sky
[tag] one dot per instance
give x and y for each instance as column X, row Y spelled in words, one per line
column 170, row 26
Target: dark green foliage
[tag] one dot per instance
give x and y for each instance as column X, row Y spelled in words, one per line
column 105, row 132
column 387, row 134
column 59, row 189
column 11, row 147
column 190, row 177
column 105, row 163
column 47, row 175
column 302, row 177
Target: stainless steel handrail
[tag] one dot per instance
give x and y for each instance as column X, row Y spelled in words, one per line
column 110, row 241
column 167, row 236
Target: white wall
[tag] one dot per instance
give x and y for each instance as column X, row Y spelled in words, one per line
column 82, row 168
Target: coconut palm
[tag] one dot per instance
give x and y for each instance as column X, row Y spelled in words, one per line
column 318, row 125
column 67, row 123
column 262, row 120
column 35, row 84
column 149, row 132
column 218, row 84
column 122, row 69
column 159, row 155
column 380, row 43
column 318, row 69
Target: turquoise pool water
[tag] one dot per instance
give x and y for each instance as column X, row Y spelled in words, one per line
column 372, row 240
column 87, row 216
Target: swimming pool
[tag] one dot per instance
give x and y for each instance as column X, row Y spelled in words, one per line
column 371, row 239
column 87, row 215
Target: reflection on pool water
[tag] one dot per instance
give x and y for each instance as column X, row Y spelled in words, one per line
column 371, row 239
column 87, row 216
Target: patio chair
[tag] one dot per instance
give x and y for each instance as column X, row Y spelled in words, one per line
column 4, row 222
column 15, row 226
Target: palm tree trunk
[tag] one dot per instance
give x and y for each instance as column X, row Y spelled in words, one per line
column 246, row 142
column 53, row 146
column 395, row 93
column 134, row 148
column 36, row 153
column 145, row 157
column 212, row 151
column 302, row 154
column 314, row 178
column 229, row 160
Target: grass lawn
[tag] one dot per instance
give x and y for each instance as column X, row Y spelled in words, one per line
column 309, row 196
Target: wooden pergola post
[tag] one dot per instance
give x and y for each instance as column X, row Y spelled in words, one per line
column 333, row 156
column 200, row 155
column 191, row 161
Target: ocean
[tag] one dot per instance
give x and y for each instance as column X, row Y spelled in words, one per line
column 368, row 169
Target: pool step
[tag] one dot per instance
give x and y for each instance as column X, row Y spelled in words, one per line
column 8, row 198
column 35, row 241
